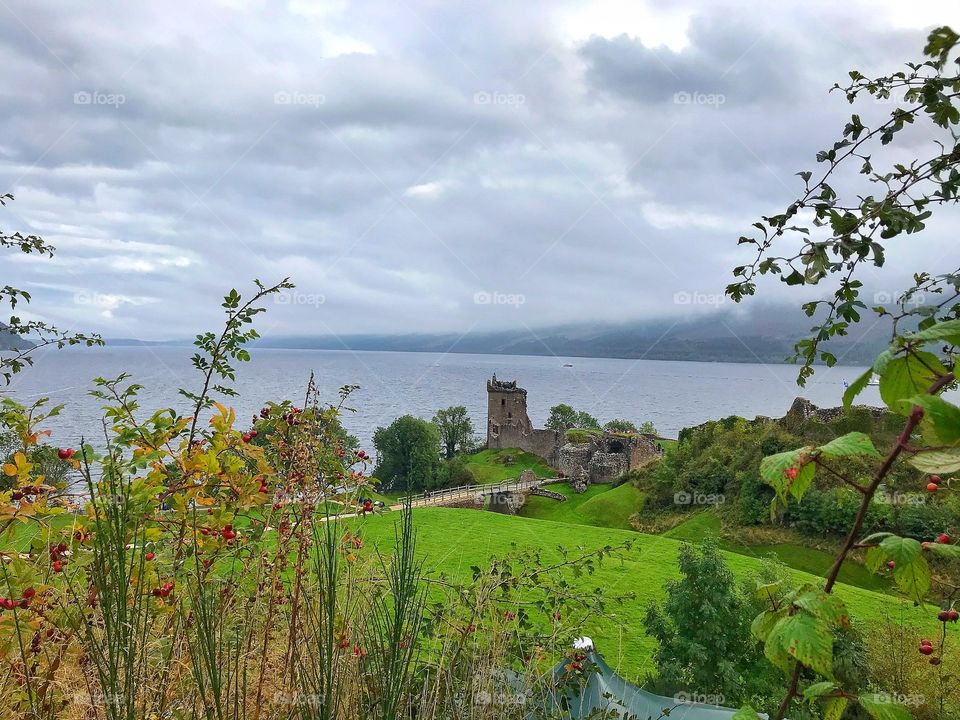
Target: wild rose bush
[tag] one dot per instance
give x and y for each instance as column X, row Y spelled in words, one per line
column 191, row 570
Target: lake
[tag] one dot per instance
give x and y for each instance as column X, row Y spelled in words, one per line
column 671, row 394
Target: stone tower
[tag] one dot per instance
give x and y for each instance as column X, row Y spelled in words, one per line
column 507, row 419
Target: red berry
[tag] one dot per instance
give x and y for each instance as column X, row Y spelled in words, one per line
column 792, row 473
column 157, row 592
column 935, row 478
column 57, row 566
column 246, row 437
column 926, row 642
column 932, row 487
column 943, row 539
column 29, row 593
column 891, row 564
column 953, row 615
column 253, row 433
column 66, row 453
column 150, row 556
column 943, row 616
column 926, row 649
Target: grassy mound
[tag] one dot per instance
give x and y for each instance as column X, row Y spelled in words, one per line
column 491, row 466
column 452, row 540
column 599, row 506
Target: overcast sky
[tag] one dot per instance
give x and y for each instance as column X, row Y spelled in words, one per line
column 417, row 165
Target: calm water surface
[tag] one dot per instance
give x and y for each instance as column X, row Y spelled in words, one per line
column 671, row 394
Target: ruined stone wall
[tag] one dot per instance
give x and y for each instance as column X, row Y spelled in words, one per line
column 606, row 467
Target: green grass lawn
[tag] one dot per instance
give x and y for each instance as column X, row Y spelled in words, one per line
column 487, row 465
column 599, row 506
column 453, row 540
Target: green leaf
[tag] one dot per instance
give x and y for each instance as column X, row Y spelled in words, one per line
column 821, row 604
column 805, row 638
column 854, row 443
column 944, row 416
column 856, row 387
column 874, row 558
column 937, row 461
column 900, row 550
column 833, row 708
column 948, row 330
column 913, row 578
column 907, row 376
column 881, row 707
column 773, row 470
column 947, row 551
column 745, row 713
column 818, row 689
column 763, row 623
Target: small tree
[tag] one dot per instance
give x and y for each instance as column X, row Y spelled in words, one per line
column 407, row 451
column 649, row 428
column 703, row 628
column 563, row 417
column 620, row 426
column 456, row 429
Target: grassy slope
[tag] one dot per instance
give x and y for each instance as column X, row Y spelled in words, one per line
column 453, row 540
column 811, row 560
column 600, row 506
column 487, row 467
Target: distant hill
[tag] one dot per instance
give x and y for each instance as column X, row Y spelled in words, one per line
column 719, row 337
column 9, row 341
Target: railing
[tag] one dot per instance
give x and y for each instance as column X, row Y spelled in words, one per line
column 438, row 497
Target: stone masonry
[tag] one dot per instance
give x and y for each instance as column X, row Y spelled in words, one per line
column 601, row 460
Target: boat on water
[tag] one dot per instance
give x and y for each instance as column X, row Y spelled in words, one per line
column 874, row 380
column 568, row 364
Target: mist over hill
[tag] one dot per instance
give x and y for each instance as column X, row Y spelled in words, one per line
column 764, row 334
column 9, row 341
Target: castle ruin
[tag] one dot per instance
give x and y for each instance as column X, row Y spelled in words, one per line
column 602, row 459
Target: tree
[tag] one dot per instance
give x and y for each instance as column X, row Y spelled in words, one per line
column 14, row 333
column 620, row 426
column 407, row 452
column 563, row 417
column 839, row 231
column 649, row 428
column 703, row 628
column 456, row 429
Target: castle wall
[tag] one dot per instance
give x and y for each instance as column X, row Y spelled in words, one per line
column 603, row 459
